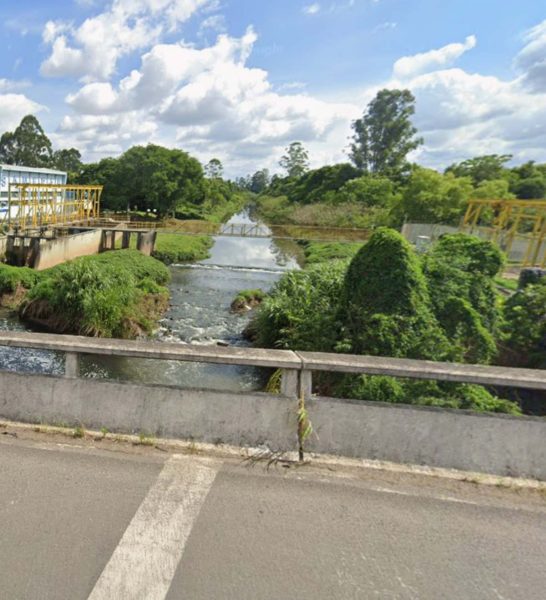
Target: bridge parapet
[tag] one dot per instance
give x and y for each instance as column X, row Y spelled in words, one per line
column 492, row 443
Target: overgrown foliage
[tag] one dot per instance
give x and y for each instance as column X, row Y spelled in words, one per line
column 389, row 302
column 115, row 294
column 525, row 326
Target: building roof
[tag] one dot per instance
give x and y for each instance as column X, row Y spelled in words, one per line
column 30, row 169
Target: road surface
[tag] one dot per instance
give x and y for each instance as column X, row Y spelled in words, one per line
column 83, row 520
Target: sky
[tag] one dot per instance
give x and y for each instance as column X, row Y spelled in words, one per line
column 240, row 79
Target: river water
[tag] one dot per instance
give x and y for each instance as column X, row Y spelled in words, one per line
column 199, row 313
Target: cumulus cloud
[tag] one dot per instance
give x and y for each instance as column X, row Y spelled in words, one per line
column 92, row 50
column 462, row 114
column 532, row 58
column 410, row 66
column 13, row 107
column 211, row 102
column 208, row 97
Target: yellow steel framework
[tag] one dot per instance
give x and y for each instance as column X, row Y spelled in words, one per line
column 509, row 220
column 36, row 205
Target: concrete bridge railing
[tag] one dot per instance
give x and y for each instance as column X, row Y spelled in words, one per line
column 492, row 443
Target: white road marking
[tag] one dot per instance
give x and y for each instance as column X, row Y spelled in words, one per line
column 145, row 560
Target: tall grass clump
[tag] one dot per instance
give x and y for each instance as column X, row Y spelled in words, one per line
column 115, row 294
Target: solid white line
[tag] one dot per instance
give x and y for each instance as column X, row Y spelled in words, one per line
column 145, row 560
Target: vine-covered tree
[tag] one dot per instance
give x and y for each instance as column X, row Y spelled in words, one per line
column 28, row 145
column 385, row 135
column 296, row 160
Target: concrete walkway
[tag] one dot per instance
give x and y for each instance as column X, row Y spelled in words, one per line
column 83, row 519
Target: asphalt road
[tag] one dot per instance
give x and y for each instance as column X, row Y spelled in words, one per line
column 80, row 521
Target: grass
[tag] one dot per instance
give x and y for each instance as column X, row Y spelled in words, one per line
column 507, row 284
column 176, row 248
column 247, row 298
column 116, row 294
column 278, row 210
column 318, row 252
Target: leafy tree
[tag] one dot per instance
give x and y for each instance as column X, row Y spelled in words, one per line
column 494, row 189
column 69, row 160
column 430, row 197
column 481, row 168
column 528, row 181
column 28, row 145
column 105, row 173
column 214, row 169
column 320, row 184
column 149, row 177
column 385, row 304
column 370, row 190
column 296, row 160
column 385, row 135
column 259, row 181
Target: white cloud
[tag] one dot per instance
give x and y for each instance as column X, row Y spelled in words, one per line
column 92, row 50
column 532, row 58
column 210, row 102
column 311, row 9
column 13, row 107
column 410, row 66
column 206, row 99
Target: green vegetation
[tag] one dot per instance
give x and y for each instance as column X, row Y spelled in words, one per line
column 175, row 248
column 388, row 301
column 13, row 278
column 115, row 294
column 317, row 252
column 510, row 285
column 247, row 299
column 525, row 327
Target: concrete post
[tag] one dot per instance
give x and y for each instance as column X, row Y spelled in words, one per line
column 289, row 383
column 306, row 384
column 126, row 240
column 72, row 365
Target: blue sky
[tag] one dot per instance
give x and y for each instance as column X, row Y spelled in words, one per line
column 240, row 79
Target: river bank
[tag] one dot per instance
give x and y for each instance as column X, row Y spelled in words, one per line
column 198, row 312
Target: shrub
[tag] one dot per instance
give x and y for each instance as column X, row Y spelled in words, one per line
column 385, row 305
column 525, row 325
column 300, row 311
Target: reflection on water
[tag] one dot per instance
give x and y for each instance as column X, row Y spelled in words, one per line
column 199, row 313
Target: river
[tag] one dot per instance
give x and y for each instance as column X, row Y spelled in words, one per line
column 199, row 313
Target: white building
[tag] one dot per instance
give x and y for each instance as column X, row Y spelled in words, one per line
column 19, row 174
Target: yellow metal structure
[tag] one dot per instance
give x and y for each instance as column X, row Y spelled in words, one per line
column 34, row 205
column 508, row 221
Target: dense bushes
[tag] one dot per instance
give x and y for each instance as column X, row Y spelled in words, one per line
column 389, row 302
column 116, row 294
column 385, row 305
column 525, row 326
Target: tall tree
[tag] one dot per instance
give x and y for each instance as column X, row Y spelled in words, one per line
column 296, row 160
column 214, row 169
column 28, row 145
column 481, row 168
column 259, row 181
column 385, row 135
column 69, row 160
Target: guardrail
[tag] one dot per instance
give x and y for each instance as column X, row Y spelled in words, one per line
column 499, row 444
